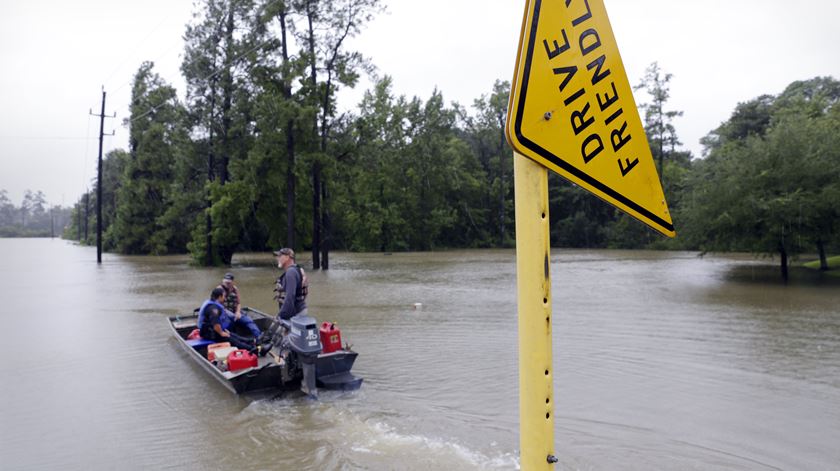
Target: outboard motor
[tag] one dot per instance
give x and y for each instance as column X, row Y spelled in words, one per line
column 305, row 341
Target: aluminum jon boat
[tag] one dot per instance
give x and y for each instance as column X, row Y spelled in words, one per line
column 304, row 356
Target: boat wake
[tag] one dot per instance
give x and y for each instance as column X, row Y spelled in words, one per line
column 339, row 438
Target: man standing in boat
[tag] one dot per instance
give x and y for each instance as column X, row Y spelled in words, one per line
column 212, row 323
column 233, row 303
column 292, row 286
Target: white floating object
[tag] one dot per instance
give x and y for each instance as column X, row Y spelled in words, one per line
column 418, row 306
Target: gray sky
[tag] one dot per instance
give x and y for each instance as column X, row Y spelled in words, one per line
column 56, row 56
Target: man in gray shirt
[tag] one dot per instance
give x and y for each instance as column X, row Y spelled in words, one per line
column 292, row 286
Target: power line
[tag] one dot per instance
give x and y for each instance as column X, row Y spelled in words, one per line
column 220, row 68
column 51, row 138
column 166, row 53
column 134, row 50
column 87, row 147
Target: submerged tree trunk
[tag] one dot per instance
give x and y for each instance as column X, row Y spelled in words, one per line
column 823, row 259
column 325, row 243
column 316, row 166
column 208, row 260
column 87, row 216
column 502, row 163
column 211, row 164
column 784, row 262
column 79, row 221
column 290, row 185
column 316, row 216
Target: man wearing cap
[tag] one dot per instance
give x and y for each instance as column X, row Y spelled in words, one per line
column 232, row 300
column 233, row 305
column 291, row 286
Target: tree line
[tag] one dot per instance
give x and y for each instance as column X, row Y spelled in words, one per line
column 33, row 218
column 259, row 156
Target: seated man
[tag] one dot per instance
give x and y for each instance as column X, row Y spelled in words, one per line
column 233, row 304
column 213, row 322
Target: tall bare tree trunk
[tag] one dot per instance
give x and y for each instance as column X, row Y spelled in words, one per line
column 784, row 262
column 325, row 258
column 823, row 259
column 227, row 98
column 211, row 174
column 316, row 166
column 290, row 141
column 502, row 161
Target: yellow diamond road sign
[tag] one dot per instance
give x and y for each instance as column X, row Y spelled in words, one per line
column 572, row 110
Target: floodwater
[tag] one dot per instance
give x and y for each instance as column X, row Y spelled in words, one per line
column 662, row 361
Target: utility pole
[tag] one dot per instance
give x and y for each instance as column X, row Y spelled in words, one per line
column 87, row 216
column 79, row 221
column 99, row 178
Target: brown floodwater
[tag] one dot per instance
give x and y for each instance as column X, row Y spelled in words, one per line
column 662, row 360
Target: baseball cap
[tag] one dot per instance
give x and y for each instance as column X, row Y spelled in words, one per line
column 285, row 251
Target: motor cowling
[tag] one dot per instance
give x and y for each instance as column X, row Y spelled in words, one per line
column 304, row 336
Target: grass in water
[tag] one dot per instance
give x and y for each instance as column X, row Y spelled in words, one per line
column 833, row 265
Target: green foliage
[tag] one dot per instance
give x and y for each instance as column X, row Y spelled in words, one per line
column 157, row 138
column 776, row 191
column 661, row 133
column 231, row 206
column 259, row 146
column 415, row 184
column 113, row 169
column 485, row 132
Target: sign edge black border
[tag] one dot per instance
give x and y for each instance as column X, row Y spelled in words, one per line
column 530, row 145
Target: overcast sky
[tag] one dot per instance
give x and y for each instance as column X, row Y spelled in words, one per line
column 56, row 56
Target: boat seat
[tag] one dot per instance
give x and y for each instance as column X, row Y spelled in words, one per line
column 199, row 343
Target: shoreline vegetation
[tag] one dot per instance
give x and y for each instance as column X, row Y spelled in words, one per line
column 258, row 157
column 833, row 266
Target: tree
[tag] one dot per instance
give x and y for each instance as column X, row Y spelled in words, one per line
column 372, row 209
column 33, row 205
column 751, row 118
column 279, row 115
column 411, row 182
column 774, row 191
column 7, row 210
column 216, row 45
column 113, row 171
column 660, row 131
column 486, row 134
column 156, row 136
column 329, row 24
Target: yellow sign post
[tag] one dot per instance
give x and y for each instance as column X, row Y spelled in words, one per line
column 533, row 285
column 571, row 110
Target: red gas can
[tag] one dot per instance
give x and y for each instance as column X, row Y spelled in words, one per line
column 241, row 359
column 330, row 337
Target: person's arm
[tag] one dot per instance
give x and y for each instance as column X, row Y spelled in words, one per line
column 216, row 321
column 218, row 329
column 238, row 313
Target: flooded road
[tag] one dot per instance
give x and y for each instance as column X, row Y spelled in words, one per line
column 662, row 361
